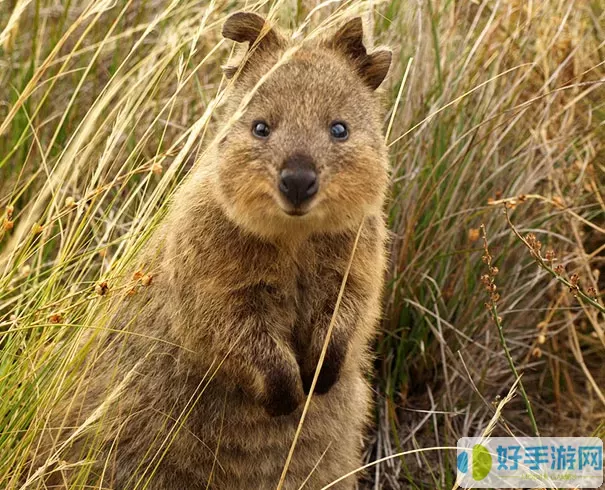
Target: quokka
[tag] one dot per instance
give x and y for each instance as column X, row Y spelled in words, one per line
column 204, row 384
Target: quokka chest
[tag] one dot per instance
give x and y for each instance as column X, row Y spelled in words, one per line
column 307, row 287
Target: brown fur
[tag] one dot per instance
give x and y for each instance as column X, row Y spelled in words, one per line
column 243, row 293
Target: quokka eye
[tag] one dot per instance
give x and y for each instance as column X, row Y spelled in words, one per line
column 261, row 129
column 339, row 131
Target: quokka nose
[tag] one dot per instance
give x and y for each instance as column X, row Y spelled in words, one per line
column 298, row 184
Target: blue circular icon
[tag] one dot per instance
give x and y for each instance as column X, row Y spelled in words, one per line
column 462, row 462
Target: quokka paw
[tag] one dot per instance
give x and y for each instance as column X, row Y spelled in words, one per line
column 329, row 374
column 284, row 395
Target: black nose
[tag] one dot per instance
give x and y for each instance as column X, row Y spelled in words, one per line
column 298, row 185
column 298, row 180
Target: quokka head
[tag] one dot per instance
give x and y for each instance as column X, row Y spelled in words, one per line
column 304, row 149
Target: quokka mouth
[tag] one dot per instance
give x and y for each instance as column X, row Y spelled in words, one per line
column 296, row 212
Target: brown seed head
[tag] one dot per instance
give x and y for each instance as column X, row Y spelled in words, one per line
column 533, row 242
column 56, row 318
column 550, row 255
column 102, row 288
column 473, row 234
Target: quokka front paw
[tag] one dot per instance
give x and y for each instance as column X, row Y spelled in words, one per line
column 284, row 394
column 329, row 374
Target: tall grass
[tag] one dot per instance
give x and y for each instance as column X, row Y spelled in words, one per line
column 104, row 107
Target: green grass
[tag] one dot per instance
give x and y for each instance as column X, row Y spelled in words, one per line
column 105, row 105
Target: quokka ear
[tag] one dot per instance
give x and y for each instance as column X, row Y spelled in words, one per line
column 372, row 67
column 249, row 27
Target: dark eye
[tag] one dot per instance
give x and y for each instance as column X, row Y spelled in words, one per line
column 339, row 131
column 260, row 129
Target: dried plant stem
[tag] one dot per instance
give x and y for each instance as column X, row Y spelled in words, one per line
column 530, row 413
column 578, row 293
column 488, row 281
